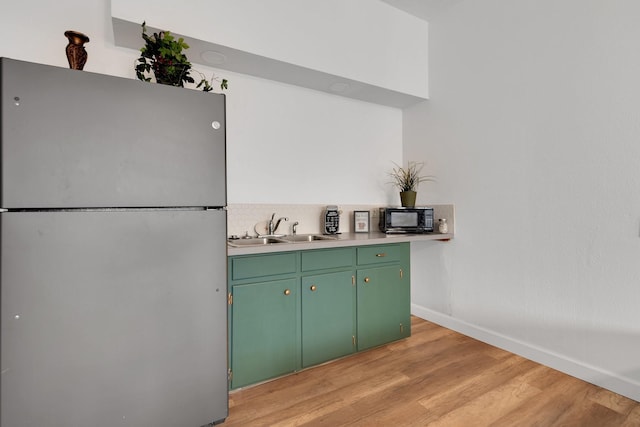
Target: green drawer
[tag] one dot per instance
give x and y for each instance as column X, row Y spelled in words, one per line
column 329, row 258
column 247, row 267
column 379, row 254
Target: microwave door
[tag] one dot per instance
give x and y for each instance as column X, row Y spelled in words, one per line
column 404, row 219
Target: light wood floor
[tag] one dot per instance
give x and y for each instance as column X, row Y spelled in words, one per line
column 435, row 378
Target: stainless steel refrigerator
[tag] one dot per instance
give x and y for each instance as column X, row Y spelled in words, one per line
column 113, row 251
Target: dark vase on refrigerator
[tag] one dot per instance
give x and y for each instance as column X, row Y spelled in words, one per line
column 113, row 303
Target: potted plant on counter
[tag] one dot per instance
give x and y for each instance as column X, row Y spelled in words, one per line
column 163, row 55
column 407, row 180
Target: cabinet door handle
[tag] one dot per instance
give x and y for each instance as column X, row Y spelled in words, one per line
column 381, row 255
column 367, row 280
column 287, row 292
column 313, row 288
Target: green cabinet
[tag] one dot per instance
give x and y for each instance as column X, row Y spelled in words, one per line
column 261, row 266
column 328, row 297
column 328, row 317
column 292, row 310
column 263, row 342
column 382, row 306
column 263, row 317
column 383, row 295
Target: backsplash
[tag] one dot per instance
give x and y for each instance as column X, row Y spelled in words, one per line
column 251, row 218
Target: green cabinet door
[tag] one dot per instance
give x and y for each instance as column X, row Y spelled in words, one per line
column 263, row 331
column 383, row 308
column 328, row 317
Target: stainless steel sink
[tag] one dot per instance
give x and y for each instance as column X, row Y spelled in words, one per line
column 255, row 241
column 303, row 238
column 298, row 238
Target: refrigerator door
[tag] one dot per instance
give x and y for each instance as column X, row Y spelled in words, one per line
column 77, row 139
column 113, row 318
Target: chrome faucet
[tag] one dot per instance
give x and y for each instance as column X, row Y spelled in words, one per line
column 271, row 227
column 294, row 228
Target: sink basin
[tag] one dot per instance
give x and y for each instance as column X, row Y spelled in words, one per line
column 308, row 238
column 255, row 241
column 260, row 241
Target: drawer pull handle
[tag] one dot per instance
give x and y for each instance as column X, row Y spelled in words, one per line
column 287, row 292
column 367, row 280
column 313, row 288
column 381, row 255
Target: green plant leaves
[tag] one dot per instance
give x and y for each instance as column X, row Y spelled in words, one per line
column 407, row 179
column 163, row 55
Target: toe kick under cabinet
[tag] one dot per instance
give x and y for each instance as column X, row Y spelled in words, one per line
column 293, row 310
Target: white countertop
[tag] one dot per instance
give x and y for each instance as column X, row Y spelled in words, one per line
column 342, row 240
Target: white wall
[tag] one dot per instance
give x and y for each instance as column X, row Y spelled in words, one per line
column 533, row 130
column 285, row 144
column 362, row 40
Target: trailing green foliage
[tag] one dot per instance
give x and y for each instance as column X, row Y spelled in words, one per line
column 163, row 55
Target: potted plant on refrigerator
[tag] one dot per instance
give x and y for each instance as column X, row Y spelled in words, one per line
column 407, row 180
column 163, row 55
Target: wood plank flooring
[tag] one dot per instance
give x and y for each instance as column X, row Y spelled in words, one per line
column 436, row 377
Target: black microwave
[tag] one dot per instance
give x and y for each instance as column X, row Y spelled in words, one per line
column 406, row 220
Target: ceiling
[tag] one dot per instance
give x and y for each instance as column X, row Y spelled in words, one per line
column 423, row 9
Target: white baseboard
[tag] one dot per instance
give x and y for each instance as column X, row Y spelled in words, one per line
column 609, row 380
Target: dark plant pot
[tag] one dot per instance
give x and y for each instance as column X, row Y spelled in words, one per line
column 408, row 198
column 169, row 74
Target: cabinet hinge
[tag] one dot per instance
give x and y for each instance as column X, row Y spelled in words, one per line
column 229, row 298
column 401, row 273
column 353, row 280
